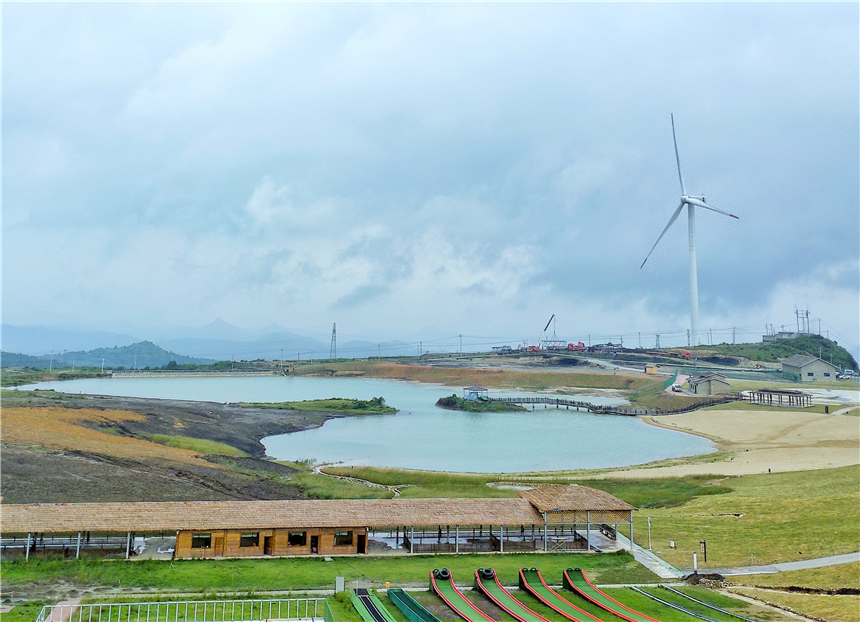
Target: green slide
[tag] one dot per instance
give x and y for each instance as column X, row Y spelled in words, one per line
column 532, row 581
column 412, row 609
column 575, row 579
column 443, row 584
column 489, row 584
column 369, row 607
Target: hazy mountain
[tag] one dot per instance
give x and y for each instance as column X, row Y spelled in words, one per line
column 142, row 354
column 39, row 340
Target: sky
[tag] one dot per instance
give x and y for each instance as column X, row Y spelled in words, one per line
column 470, row 168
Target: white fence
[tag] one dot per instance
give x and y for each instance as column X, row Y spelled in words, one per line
column 250, row 610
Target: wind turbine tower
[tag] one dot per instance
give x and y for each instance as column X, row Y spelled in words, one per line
column 692, row 202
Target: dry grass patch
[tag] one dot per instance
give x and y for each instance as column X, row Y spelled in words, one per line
column 816, row 606
column 60, row 428
column 828, row 578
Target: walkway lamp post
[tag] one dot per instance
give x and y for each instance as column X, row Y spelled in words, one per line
column 649, row 533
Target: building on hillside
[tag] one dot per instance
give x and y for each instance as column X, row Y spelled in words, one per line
column 554, row 518
column 709, row 383
column 804, row 368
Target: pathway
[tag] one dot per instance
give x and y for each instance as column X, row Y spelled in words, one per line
column 806, row 564
column 63, row 611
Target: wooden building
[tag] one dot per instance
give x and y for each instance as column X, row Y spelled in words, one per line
column 549, row 518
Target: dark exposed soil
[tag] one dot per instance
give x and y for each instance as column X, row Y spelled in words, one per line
column 37, row 475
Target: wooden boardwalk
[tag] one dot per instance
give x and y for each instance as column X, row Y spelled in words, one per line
column 559, row 402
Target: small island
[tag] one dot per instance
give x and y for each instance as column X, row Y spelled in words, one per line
column 475, row 406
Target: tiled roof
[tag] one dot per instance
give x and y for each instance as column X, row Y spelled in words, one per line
column 197, row 515
column 799, row 360
column 572, row 497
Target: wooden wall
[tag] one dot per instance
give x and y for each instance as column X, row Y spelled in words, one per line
column 275, row 542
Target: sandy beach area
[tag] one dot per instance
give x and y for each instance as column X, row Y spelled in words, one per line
column 755, row 441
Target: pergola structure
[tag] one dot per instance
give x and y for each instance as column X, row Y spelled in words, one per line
column 780, row 397
column 553, row 518
column 475, row 393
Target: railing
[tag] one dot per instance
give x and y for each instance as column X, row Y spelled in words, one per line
column 250, row 610
column 617, row 410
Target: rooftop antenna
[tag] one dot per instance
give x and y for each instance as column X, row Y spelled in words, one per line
column 332, row 353
column 692, row 202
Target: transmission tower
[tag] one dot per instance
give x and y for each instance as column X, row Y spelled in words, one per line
column 332, row 353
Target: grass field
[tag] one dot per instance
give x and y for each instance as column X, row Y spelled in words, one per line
column 200, row 445
column 828, row 578
column 817, row 606
column 305, row 573
column 776, row 517
column 641, row 493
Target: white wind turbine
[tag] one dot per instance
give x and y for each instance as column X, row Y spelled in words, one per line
column 691, row 202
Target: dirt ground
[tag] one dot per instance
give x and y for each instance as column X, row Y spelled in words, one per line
column 753, row 442
column 76, row 448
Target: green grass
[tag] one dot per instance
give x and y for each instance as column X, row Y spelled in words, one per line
column 662, row 492
column 745, row 405
column 375, row 406
column 827, row 578
column 316, row 486
column 775, row 517
column 25, row 612
column 200, row 445
column 299, row 573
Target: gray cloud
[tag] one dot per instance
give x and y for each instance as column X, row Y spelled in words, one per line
column 467, row 166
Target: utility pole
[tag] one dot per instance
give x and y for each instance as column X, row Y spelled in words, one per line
column 640, row 341
column 103, row 366
column 64, row 358
column 819, row 327
column 51, row 364
column 135, row 362
column 589, row 340
column 379, row 350
column 73, row 364
column 332, row 353
column 733, row 335
column 657, row 341
column 688, row 337
column 282, row 355
column 231, row 362
column 461, row 341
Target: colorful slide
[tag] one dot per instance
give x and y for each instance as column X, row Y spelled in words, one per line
column 488, row 583
column 443, row 584
column 532, row 582
column 412, row 609
column 370, row 608
column 575, row 579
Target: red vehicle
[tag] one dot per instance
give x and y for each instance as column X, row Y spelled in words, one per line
column 578, row 347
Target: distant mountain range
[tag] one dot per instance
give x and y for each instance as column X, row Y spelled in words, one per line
column 217, row 340
column 139, row 355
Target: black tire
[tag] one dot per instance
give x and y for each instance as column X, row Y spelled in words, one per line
column 577, row 569
column 488, row 573
column 443, row 574
column 534, row 569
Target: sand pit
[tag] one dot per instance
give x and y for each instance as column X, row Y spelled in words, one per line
column 755, row 441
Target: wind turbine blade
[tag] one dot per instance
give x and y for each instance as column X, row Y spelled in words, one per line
column 710, row 207
column 671, row 222
column 677, row 157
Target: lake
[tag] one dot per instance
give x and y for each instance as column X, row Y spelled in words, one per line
column 422, row 436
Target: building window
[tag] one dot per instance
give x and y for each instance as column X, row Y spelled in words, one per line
column 827, row 374
column 810, row 374
column 249, row 539
column 342, row 538
column 297, row 538
column 201, row 541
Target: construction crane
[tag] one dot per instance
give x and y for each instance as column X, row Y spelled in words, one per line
column 543, row 332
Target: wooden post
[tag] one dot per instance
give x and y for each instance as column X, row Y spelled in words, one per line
column 27, row 552
column 127, row 544
column 78, row 549
column 588, row 531
column 457, row 538
column 411, row 537
column 501, row 538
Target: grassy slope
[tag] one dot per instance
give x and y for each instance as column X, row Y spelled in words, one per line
column 828, row 578
column 304, row 573
column 783, row 517
column 200, row 445
column 822, row 607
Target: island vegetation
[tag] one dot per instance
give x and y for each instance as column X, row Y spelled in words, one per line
column 345, row 406
column 475, row 406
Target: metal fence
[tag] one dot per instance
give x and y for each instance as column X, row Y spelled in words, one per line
column 250, row 610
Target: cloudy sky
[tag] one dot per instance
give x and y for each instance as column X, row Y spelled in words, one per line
column 391, row 167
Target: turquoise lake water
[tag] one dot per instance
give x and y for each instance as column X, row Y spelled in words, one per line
column 420, row 435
